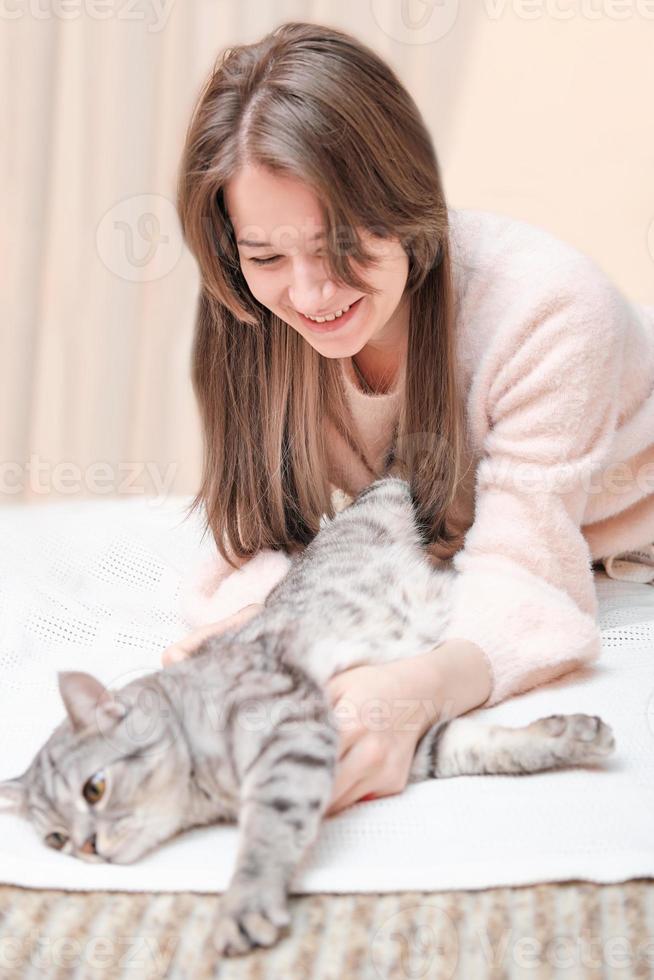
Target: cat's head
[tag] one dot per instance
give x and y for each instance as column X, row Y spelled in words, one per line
column 112, row 781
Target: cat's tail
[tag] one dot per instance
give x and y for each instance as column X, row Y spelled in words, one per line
column 463, row 747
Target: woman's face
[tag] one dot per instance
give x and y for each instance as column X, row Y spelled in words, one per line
column 277, row 223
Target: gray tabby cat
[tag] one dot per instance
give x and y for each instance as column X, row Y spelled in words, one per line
column 128, row 769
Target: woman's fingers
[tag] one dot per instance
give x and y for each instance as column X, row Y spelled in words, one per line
column 349, row 735
column 353, row 795
column 350, row 783
column 350, row 725
column 187, row 645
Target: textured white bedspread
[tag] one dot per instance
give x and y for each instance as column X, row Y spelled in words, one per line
column 96, row 586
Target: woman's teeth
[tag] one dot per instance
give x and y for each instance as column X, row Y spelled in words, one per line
column 329, row 317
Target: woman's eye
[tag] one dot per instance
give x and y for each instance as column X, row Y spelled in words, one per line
column 56, row 840
column 94, row 788
column 273, row 258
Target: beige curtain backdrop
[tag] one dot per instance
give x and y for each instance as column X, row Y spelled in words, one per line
column 541, row 110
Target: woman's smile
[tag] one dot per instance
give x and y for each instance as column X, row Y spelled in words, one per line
column 329, row 326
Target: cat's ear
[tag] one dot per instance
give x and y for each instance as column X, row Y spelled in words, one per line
column 13, row 794
column 85, row 698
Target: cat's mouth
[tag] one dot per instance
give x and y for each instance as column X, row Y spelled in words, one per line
column 92, row 858
column 122, row 851
column 106, row 853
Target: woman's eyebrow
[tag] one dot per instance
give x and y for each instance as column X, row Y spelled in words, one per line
column 252, row 243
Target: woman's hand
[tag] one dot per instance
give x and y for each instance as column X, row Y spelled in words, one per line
column 186, row 647
column 382, row 712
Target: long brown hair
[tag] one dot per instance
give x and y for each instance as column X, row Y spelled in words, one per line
column 314, row 103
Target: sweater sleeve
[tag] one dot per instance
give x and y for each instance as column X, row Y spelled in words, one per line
column 546, row 398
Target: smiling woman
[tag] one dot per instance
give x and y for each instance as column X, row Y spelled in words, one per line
column 310, row 195
column 351, row 323
column 309, row 188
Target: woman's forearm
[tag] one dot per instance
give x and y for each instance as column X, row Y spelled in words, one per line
column 447, row 681
column 465, row 675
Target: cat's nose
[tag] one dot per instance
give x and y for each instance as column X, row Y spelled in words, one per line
column 88, row 847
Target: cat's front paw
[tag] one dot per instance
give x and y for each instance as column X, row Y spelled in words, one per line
column 340, row 500
column 249, row 917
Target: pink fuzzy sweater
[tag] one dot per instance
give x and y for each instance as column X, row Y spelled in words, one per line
column 557, row 369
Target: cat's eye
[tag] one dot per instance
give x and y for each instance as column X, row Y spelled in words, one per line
column 94, row 788
column 56, row 840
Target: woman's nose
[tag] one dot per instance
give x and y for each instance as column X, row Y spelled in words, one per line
column 311, row 301
column 310, row 289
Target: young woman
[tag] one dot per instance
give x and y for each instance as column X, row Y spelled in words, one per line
column 349, row 321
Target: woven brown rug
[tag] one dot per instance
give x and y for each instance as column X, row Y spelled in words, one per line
column 574, row 929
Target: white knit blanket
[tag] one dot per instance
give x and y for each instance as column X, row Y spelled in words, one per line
column 96, row 586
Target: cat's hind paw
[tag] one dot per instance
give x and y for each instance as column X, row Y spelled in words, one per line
column 581, row 738
column 248, row 919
